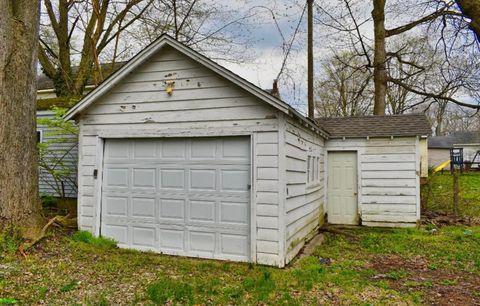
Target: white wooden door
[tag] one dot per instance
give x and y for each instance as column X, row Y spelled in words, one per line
column 188, row 196
column 342, row 188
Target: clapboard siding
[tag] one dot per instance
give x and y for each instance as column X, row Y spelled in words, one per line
column 267, row 196
column 68, row 147
column 388, row 186
column 304, row 200
column 202, row 104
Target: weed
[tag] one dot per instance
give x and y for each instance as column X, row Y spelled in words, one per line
column 88, row 238
column 8, row 301
column 396, row 275
column 70, row 286
column 433, row 267
column 428, row 284
column 166, row 290
column 448, row 282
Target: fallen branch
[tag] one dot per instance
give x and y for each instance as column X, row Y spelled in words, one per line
column 42, row 235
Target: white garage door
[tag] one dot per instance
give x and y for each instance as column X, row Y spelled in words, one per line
column 178, row 196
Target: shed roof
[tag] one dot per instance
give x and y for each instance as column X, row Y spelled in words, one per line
column 457, row 138
column 44, row 82
column 376, row 126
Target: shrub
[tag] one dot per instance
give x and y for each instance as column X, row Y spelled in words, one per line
column 88, row 238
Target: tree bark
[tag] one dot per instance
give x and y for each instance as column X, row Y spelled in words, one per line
column 19, row 200
column 380, row 57
column 471, row 10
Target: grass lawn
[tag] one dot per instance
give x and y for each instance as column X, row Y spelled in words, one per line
column 438, row 194
column 360, row 266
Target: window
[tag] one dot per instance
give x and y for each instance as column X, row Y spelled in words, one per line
column 313, row 169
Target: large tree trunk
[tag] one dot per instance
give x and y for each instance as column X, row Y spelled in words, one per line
column 380, row 57
column 471, row 10
column 19, row 200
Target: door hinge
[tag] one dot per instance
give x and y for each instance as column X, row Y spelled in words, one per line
column 249, row 187
column 95, row 173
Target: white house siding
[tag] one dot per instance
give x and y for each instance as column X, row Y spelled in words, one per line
column 69, row 148
column 304, row 205
column 202, row 104
column 389, row 185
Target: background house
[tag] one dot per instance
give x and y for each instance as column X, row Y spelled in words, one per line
column 439, row 147
column 181, row 156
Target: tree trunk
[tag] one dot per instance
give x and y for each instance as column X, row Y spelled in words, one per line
column 471, row 10
column 19, row 200
column 380, row 57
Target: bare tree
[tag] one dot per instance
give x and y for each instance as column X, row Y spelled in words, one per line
column 19, row 201
column 343, row 88
column 212, row 28
column 398, row 77
column 98, row 22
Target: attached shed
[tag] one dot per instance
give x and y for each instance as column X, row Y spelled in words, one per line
column 180, row 156
column 374, row 165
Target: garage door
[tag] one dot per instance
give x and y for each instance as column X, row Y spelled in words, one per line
column 178, row 196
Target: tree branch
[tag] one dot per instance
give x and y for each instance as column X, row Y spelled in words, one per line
column 411, row 25
column 432, row 95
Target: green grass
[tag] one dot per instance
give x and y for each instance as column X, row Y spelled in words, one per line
column 79, row 269
column 438, row 194
column 88, row 238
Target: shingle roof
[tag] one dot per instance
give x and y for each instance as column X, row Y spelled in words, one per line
column 376, row 126
column 449, row 141
column 44, row 82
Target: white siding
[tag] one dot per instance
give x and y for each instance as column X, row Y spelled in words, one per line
column 304, row 206
column 69, row 148
column 202, row 104
column 388, row 178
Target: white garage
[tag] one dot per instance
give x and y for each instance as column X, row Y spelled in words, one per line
column 179, row 155
column 188, row 196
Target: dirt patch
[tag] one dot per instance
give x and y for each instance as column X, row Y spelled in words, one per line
column 440, row 219
column 438, row 286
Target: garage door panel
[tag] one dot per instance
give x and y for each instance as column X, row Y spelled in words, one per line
column 203, row 149
column 117, row 149
column 173, row 149
column 143, row 207
column 172, row 208
column 234, row 244
column 172, row 179
column 116, row 177
column 117, row 232
column 115, row 206
column 179, row 196
column 172, row 239
column 203, row 179
column 234, row 180
column 144, row 178
column 202, row 241
column 234, row 212
column 143, row 236
column 201, row 210
column 144, row 149
column 236, row 148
